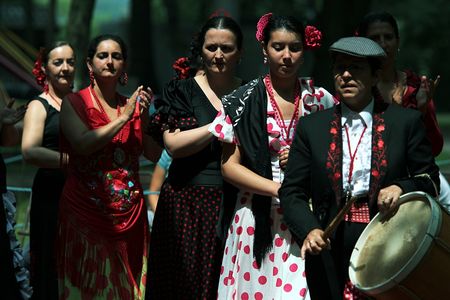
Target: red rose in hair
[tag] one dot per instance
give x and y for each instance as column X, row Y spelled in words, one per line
column 38, row 73
column 181, row 67
column 313, row 37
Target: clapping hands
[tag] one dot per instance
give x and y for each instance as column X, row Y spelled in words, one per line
column 141, row 96
column 426, row 90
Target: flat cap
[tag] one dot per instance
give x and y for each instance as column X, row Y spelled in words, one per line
column 358, row 46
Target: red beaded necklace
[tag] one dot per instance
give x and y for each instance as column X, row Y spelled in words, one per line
column 119, row 155
column 100, row 105
column 285, row 130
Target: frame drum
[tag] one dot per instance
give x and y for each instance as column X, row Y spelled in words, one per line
column 407, row 256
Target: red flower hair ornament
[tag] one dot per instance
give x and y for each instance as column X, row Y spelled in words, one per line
column 313, row 38
column 181, row 67
column 262, row 23
column 40, row 76
column 219, row 13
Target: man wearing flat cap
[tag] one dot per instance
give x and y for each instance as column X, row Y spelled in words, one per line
column 362, row 147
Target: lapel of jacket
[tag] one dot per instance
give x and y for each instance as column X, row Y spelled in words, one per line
column 334, row 155
column 379, row 149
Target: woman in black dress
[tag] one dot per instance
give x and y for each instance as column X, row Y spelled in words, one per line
column 54, row 70
column 185, row 251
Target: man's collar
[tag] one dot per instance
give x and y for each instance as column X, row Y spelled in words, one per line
column 365, row 114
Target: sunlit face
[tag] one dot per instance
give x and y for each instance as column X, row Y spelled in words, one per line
column 383, row 33
column 108, row 61
column 60, row 68
column 353, row 80
column 220, row 51
column 284, row 52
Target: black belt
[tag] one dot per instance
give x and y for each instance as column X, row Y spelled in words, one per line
column 207, row 179
column 211, row 178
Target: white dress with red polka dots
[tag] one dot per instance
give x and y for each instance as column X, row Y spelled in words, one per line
column 282, row 272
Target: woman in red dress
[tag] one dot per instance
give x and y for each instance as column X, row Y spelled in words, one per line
column 103, row 234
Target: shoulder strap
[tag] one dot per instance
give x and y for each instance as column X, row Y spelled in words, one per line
column 43, row 101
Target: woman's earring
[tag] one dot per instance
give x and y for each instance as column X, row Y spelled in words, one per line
column 265, row 60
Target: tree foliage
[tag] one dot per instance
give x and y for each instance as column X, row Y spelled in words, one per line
column 78, row 32
column 160, row 31
column 141, row 45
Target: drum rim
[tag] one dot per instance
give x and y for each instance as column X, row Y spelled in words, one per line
column 434, row 227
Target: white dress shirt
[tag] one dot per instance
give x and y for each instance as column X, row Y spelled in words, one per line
column 355, row 123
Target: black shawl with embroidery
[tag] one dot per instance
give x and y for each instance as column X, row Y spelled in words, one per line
column 247, row 108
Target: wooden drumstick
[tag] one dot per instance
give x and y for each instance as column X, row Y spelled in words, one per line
column 338, row 218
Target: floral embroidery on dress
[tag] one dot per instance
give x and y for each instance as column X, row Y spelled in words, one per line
column 121, row 188
column 118, row 185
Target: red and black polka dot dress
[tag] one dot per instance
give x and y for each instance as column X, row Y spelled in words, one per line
column 185, row 252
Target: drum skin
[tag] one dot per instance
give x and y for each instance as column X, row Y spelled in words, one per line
column 407, row 256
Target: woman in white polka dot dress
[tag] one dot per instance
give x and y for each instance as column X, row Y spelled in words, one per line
column 261, row 258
